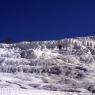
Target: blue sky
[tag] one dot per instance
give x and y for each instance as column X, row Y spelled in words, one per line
column 46, row 19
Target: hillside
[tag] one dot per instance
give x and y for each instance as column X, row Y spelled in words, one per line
column 65, row 66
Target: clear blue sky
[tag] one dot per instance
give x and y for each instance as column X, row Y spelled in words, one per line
column 46, row 19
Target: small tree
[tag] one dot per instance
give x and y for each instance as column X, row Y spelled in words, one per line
column 8, row 40
column 60, row 47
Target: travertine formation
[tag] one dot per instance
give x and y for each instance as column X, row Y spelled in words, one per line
column 60, row 65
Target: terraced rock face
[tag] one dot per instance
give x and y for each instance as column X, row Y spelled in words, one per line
column 66, row 65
